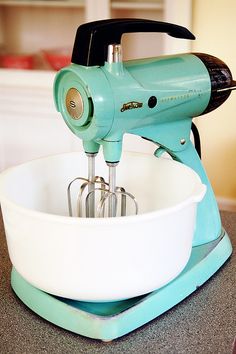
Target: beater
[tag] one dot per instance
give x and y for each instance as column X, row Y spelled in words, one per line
column 108, row 192
column 101, row 98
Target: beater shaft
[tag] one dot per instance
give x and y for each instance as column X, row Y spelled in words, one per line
column 91, row 185
column 112, row 199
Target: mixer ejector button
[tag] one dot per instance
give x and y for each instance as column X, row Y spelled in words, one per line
column 152, row 102
column 74, row 103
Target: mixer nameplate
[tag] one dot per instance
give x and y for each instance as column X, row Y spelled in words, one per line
column 131, row 105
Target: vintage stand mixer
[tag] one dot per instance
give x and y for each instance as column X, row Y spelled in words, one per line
column 101, row 98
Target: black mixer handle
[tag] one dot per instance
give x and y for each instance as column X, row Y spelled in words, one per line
column 93, row 38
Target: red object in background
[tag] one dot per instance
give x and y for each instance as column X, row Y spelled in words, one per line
column 58, row 58
column 17, row 61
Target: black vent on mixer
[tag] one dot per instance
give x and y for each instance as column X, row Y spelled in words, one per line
column 221, row 78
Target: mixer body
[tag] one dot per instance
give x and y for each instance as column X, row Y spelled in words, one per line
column 101, row 98
column 137, row 97
column 154, row 98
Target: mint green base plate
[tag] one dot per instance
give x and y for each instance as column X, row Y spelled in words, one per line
column 107, row 321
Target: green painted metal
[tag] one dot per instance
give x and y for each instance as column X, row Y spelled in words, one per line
column 95, row 87
column 107, row 321
column 119, row 95
column 208, row 223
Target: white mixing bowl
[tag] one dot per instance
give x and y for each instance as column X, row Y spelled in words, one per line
column 100, row 259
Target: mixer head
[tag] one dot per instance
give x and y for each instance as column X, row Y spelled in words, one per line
column 101, row 97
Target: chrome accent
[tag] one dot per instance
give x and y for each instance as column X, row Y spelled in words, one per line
column 94, row 197
column 74, row 103
column 114, row 53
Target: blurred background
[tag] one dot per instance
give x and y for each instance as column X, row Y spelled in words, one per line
column 36, row 38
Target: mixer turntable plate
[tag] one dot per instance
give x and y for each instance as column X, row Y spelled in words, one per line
column 107, row 321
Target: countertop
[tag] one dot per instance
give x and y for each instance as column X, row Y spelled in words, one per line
column 205, row 322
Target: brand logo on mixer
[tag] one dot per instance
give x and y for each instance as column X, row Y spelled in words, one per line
column 131, row 105
column 72, row 104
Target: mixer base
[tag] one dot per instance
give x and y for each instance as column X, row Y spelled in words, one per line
column 107, row 321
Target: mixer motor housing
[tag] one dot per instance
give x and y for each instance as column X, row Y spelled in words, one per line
column 101, row 98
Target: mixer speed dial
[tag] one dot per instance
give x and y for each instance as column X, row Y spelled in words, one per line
column 74, row 103
column 221, row 79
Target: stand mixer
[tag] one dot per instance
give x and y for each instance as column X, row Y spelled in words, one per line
column 101, row 98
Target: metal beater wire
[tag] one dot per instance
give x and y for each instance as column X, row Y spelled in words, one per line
column 69, row 193
column 107, row 196
column 119, row 191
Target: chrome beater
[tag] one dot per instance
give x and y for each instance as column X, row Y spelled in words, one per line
column 98, row 198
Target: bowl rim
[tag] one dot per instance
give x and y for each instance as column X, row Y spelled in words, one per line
column 197, row 196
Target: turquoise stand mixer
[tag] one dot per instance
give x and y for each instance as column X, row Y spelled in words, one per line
column 101, row 98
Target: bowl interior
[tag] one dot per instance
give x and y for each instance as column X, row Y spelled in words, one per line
column 41, row 184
